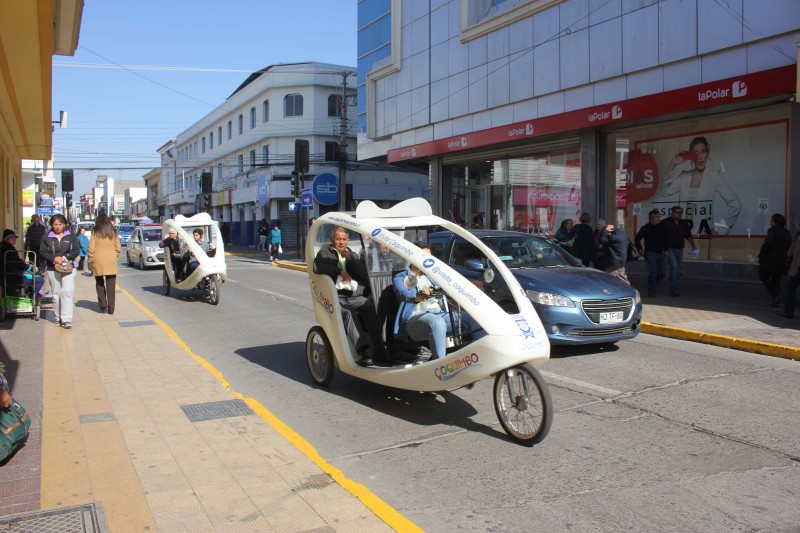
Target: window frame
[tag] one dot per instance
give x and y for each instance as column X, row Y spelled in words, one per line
column 295, row 97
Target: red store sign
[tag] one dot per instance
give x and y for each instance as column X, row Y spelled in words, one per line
column 741, row 88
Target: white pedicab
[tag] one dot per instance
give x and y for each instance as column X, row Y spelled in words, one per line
column 513, row 343
column 211, row 272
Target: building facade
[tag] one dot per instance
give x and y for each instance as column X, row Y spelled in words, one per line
column 529, row 112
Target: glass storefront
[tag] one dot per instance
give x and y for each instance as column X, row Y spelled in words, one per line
column 728, row 173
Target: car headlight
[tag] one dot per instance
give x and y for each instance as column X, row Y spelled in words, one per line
column 638, row 298
column 149, row 249
column 549, row 298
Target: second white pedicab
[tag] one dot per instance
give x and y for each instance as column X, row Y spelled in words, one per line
column 510, row 344
column 211, row 271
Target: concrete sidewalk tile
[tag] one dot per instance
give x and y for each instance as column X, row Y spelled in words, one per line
column 164, row 483
column 334, row 503
column 224, row 489
column 291, row 513
column 230, row 514
column 162, row 501
column 192, row 519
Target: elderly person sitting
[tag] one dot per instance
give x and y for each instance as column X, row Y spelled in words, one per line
column 14, row 271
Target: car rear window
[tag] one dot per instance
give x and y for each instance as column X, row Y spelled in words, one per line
column 151, row 234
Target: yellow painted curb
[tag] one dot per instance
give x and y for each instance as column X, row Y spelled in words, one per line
column 381, row 509
column 293, row 266
column 764, row 348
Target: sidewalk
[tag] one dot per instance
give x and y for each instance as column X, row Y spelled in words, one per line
column 128, row 437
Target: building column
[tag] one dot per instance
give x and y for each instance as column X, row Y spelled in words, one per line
column 435, row 185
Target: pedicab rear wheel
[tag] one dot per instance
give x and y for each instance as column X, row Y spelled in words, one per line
column 166, row 283
column 319, row 356
column 523, row 404
column 213, row 289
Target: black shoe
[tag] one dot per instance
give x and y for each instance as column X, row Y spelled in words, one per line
column 102, row 310
column 365, row 361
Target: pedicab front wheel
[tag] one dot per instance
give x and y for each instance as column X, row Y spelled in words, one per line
column 319, row 356
column 166, row 283
column 523, row 404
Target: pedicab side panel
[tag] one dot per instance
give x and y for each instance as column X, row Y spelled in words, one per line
column 208, row 265
column 510, row 340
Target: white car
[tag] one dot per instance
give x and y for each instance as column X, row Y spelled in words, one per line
column 142, row 248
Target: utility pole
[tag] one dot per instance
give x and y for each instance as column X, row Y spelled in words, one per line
column 345, row 202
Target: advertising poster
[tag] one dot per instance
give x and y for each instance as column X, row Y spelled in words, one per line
column 722, row 179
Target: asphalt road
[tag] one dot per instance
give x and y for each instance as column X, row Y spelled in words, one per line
column 652, row 435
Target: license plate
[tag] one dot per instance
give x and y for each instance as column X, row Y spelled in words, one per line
column 611, row 317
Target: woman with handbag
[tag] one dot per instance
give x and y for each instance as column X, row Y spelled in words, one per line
column 59, row 249
column 104, row 250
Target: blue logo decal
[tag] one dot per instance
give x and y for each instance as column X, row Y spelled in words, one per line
column 523, row 326
column 375, row 232
column 428, row 263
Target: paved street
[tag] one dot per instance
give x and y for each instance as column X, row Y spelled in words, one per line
column 655, row 434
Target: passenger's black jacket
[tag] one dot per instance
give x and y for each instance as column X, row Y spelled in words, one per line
column 51, row 247
column 654, row 235
column 327, row 262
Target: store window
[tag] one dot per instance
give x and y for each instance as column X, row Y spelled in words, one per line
column 728, row 174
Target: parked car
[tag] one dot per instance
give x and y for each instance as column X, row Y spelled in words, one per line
column 577, row 304
column 143, row 249
column 88, row 226
column 125, row 231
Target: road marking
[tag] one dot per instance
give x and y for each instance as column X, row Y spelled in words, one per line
column 582, row 384
column 276, row 294
column 382, row 510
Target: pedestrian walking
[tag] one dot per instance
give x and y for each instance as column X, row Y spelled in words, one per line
column 104, row 250
column 583, row 248
column 263, row 233
column 654, row 234
column 83, row 242
column 599, row 261
column 275, row 244
column 33, row 240
column 773, row 257
column 790, row 289
column 679, row 230
column 60, row 248
column 615, row 241
column 565, row 235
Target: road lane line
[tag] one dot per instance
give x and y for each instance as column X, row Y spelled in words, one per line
column 382, row 510
column 582, row 384
column 279, row 295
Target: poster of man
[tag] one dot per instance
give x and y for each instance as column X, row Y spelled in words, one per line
column 720, row 178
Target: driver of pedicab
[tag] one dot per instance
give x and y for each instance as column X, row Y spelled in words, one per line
column 173, row 246
column 343, row 266
column 423, row 314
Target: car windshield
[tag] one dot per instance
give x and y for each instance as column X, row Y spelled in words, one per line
column 525, row 251
column 151, row 234
column 126, row 229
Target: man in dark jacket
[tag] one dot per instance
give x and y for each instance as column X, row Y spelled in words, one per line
column 33, row 239
column 342, row 265
column 654, row 234
column 678, row 231
column 615, row 242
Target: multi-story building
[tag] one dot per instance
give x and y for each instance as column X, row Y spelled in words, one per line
column 247, row 145
column 152, row 181
column 528, row 112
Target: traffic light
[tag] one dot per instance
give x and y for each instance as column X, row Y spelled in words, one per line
column 206, row 182
column 67, row 180
column 295, row 185
column 300, row 156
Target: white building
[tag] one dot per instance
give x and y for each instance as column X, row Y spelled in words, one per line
column 528, row 112
column 247, row 145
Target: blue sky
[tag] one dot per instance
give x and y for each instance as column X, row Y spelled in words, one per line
column 117, row 118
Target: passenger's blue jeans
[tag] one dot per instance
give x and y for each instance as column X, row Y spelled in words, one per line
column 656, row 270
column 434, row 327
column 675, row 259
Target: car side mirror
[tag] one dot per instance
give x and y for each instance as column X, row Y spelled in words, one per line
column 488, row 275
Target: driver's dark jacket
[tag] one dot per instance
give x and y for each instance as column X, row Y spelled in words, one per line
column 327, row 262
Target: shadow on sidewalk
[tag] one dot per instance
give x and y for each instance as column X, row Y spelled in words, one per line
column 418, row 408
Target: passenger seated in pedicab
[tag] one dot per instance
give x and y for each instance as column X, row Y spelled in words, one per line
column 349, row 274
column 423, row 316
column 189, row 258
column 173, row 247
column 15, row 272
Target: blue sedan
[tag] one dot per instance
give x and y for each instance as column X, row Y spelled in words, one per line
column 125, row 231
column 577, row 304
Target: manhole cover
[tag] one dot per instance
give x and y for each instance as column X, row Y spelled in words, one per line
column 211, row 410
column 79, row 519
